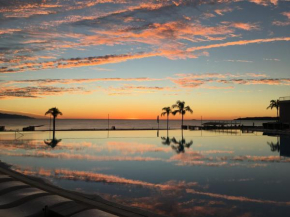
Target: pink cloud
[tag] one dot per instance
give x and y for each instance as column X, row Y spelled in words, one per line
column 36, row 92
column 274, row 81
column 44, row 154
column 8, row 31
column 222, row 11
column 238, row 43
column 237, row 198
column 240, row 61
column 265, row 2
column 133, row 147
column 98, row 177
column 283, row 23
column 200, row 80
column 72, row 81
column 244, row 26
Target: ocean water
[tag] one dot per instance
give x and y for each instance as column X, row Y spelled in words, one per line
column 66, row 124
column 197, row 173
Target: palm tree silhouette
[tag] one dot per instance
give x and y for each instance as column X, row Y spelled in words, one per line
column 54, row 112
column 181, row 144
column 167, row 111
column 181, row 109
column 274, row 104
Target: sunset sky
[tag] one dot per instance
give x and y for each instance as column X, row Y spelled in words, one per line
column 130, row 58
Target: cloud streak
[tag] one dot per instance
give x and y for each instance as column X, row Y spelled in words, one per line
column 76, row 81
column 37, row 92
column 238, row 198
column 200, row 80
column 239, row 43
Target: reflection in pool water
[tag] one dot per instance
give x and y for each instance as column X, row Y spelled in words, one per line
column 177, row 145
column 282, row 145
column 52, row 142
column 195, row 174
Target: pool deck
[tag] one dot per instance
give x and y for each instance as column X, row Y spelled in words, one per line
column 21, row 196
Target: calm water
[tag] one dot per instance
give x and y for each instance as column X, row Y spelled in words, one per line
column 62, row 124
column 205, row 174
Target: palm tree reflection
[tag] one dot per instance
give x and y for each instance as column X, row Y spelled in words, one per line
column 52, row 142
column 275, row 146
column 166, row 140
column 177, row 145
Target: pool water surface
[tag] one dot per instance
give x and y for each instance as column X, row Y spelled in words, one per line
column 199, row 173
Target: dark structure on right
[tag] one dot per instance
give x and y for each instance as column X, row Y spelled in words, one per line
column 283, row 121
column 284, row 104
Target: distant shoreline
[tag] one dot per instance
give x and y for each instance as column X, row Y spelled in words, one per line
column 257, row 118
column 13, row 116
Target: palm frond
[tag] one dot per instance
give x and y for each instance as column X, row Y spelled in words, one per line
column 175, row 112
column 187, row 145
column 54, row 112
column 174, row 140
column 273, row 104
column 187, row 108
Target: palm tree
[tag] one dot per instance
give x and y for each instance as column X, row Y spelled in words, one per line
column 54, row 112
column 274, row 104
column 167, row 111
column 181, row 109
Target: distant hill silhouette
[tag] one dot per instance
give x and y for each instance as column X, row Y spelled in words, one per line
column 257, row 118
column 10, row 116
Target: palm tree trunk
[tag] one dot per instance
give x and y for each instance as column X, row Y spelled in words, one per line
column 167, row 122
column 53, row 135
column 181, row 120
column 277, row 114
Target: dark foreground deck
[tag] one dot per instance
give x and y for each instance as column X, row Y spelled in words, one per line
column 22, row 196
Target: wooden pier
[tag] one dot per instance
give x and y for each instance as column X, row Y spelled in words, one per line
column 223, row 125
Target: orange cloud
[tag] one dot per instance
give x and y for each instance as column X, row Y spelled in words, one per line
column 243, row 26
column 237, row 43
column 265, row 2
column 274, row 81
column 199, row 80
column 98, row 177
column 36, row 92
column 72, row 81
column 223, row 11
column 44, row 154
column 8, row 31
column 283, row 23
column 76, row 62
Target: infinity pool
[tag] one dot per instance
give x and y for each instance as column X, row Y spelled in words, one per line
column 200, row 174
